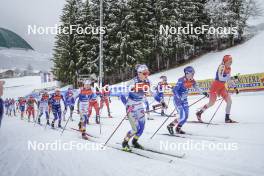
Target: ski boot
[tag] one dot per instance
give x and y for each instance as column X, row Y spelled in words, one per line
column 97, row 119
column 170, row 128
column 48, row 122
column 162, row 113
column 52, row 123
column 84, row 135
column 179, row 130
column 80, row 125
column 28, row 119
column 199, row 116
column 136, row 144
column 39, row 121
column 125, row 146
column 59, row 124
column 228, row 120
column 109, row 115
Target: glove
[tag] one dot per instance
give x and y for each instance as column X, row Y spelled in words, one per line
column 163, row 104
column 236, row 90
column 130, row 108
column 235, row 77
column 206, row 94
column 78, row 111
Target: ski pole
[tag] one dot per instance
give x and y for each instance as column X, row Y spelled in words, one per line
column 115, row 129
column 168, row 116
column 153, row 110
column 65, row 125
column 169, row 101
column 197, row 101
column 215, row 112
column 217, row 108
column 100, row 125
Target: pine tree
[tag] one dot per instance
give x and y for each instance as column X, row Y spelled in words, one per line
column 66, row 53
column 87, row 41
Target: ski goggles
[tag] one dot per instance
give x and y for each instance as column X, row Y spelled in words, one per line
column 145, row 73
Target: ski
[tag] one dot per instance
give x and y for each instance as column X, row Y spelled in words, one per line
column 196, row 136
column 132, row 151
column 204, row 135
column 158, row 152
column 173, row 115
column 197, row 122
column 145, row 154
column 188, row 137
column 75, row 129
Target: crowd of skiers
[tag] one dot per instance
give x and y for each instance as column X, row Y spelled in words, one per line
column 135, row 101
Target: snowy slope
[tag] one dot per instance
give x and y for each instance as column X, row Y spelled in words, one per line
column 247, row 135
column 247, row 58
column 22, row 58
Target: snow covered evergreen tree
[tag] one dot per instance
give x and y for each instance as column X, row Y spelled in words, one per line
column 66, row 53
column 87, row 41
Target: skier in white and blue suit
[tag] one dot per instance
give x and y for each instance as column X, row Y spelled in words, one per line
column 138, row 87
column 180, row 92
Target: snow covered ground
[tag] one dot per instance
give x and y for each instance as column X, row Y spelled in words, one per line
column 246, row 139
column 247, row 58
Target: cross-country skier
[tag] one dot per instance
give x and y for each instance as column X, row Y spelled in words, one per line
column 12, row 107
column 17, row 106
column 85, row 95
column 93, row 103
column 6, row 106
column 69, row 103
column 180, row 94
column 139, row 86
column 55, row 101
column 105, row 99
column 30, row 107
column 43, row 106
column 159, row 94
column 22, row 105
column 218, row 88
column 1, row 101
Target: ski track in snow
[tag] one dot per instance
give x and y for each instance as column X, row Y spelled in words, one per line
column 17, row 160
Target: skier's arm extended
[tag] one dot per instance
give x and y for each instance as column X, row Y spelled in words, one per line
column 198, row 89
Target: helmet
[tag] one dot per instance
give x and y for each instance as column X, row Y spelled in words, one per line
column 87, row 82
column 142, row 68
column 227, row 58
column 163, row 77
column 189, row 69
column 136, row 66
